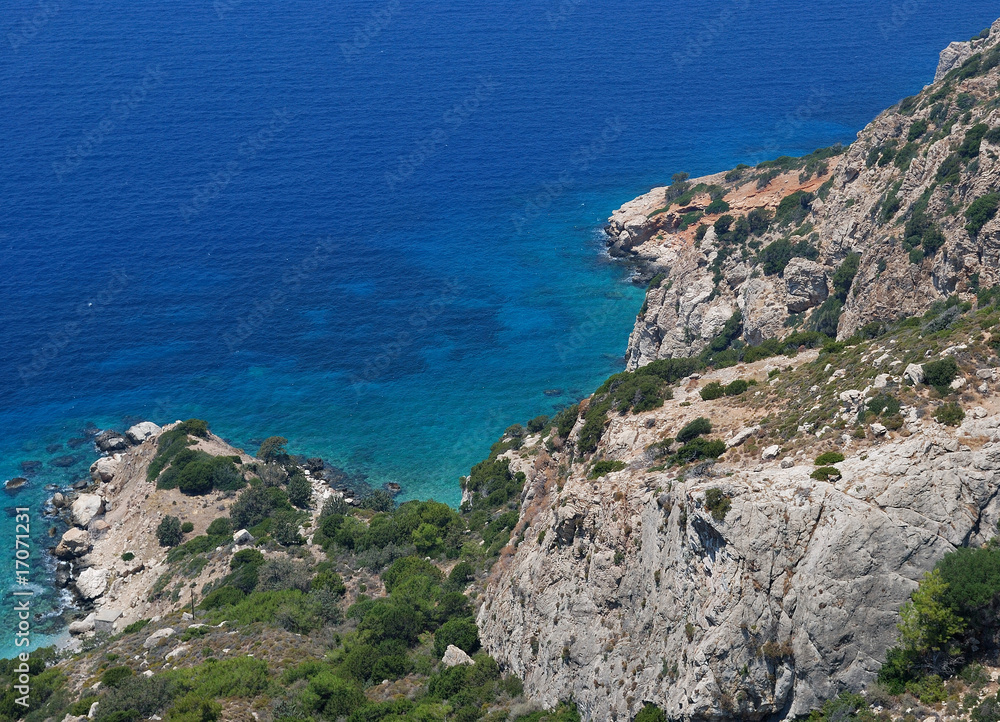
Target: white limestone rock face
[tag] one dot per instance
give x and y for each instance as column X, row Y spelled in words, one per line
column 806, row 284
column 85, row 508
column 815, row 570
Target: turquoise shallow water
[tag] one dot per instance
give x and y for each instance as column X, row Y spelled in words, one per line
column 373, row 227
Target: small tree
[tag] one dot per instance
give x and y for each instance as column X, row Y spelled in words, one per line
column 273, row 449
column 927, row 625
column 169, row 531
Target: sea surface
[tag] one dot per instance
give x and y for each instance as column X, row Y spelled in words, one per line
column 371, row 226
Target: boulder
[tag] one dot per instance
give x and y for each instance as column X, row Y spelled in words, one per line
column 86, row 507
column 952, row 57
column 111, row 441
column 92, row 583
column 878, row 429
column 242, row 537
column 957, row 383
column 453, row 656
column 787, row 464
column 105, row 468
column 58, row 500
column 158, row 637
column 881, row 381
column 805, row 282
column 74, row 543
column 12, row 486
column 142, row 431
column 771, row 452
column 740, row 436
column 178, row 651
column 914, row 373
column 82, row 626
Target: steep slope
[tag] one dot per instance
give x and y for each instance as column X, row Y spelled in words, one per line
column 913, row 197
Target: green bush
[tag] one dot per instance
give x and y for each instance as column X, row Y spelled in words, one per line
column 187, row 527
column 220, row 527
column 825, row 473
column 830, row 457
column 694, row 429
column 716, row 206
column 537, row 424
column 127, row 556
column 222, row 597
column 114, row 676
column 737, row 387
column 775, row 256
column 950, row 414
column 980, row 212
column 462, row 632
column 717, row 503
column 273, row 449
column 794, row 208
column 650, row 713
column 699, row 449
column 941, row 373
column 169, row 531
column 603, row 467
column 712, row 391
column 299, row 491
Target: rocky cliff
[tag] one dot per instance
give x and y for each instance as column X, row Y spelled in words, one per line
column 640, row 586
column 759, row 584
column 906, row 196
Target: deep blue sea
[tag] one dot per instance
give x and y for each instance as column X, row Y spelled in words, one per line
column 372, row 226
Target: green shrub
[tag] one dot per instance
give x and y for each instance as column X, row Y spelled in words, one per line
column 775, row 256
column 980, row 212
column 114, row 676
column 565, row 420
column 712, row 391
column 127, row 556
column 603, row 467
column 462, row 632
column 169, row 531
column 825, row 473
column 136, row 626
column 220, row 527
column 187, row 527
column 950, row 414
column 830, row 457
column 299, row 491
column 222, row 597
column 941, row 373
column 694, row 429
column 650, row 713
column 716, row 206
column 537, row 424
column 794, row 208
column 699, row 449
column 273, row 449
column 737, row 387
column 917, row 129
column 717, row 503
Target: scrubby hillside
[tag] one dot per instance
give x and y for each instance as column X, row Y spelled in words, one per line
column 911, row 205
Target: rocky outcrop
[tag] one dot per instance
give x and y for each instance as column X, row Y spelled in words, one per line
column 805, row 282
column 85, row 508
column 921, row 159
column 104, row 469
column 110, row 442
column 142, row 431
column 91, row 583
column 74, row 543
column 629, row 589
